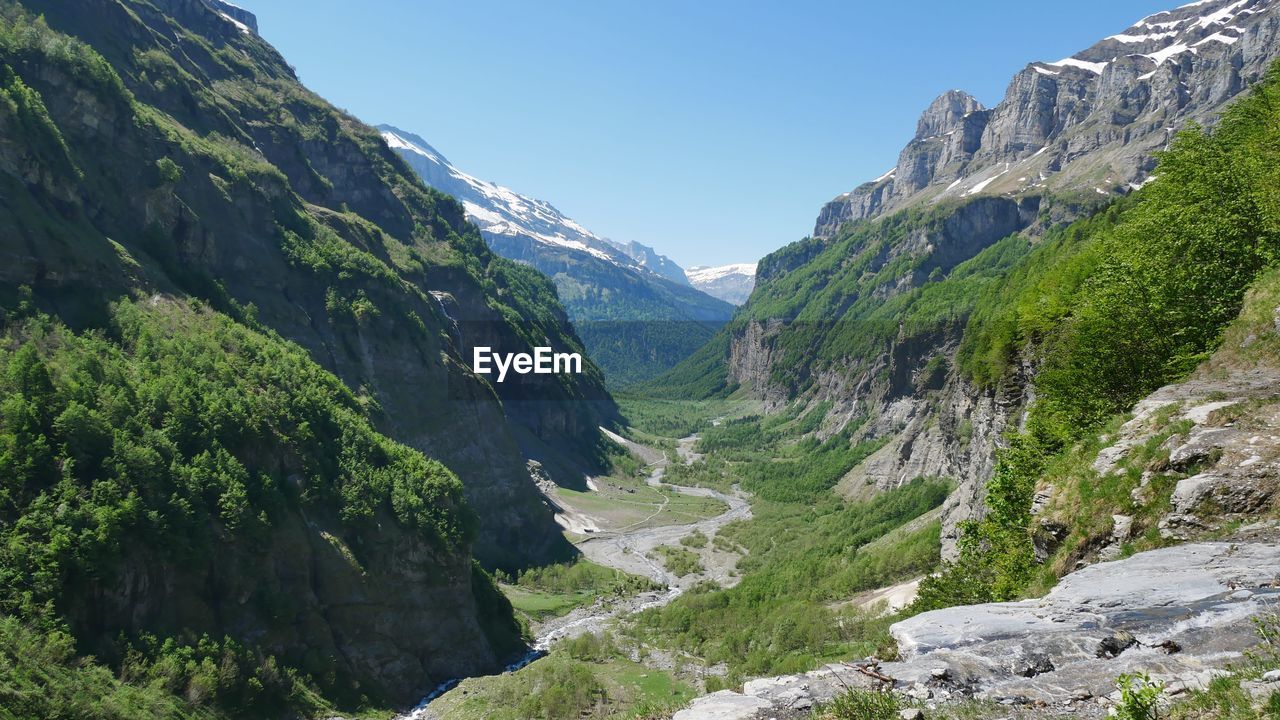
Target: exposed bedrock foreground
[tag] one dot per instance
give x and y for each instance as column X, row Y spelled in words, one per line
column 1181, row 614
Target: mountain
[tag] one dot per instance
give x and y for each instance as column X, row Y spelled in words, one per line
column 1087, row 125
column 1087, row 376
column 731, row 283
column 874, row 317
column 613, row 292
column 238, row 402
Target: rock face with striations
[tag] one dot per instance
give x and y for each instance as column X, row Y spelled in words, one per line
column 1068, row 136
column 1089, row 123
column 1180, row 614
column 188, row 165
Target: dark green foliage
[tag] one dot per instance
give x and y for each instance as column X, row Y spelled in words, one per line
column 632, row 351
column 701, row 376
column 178, row 431
column 497, row 619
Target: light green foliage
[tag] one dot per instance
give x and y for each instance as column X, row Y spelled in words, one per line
column 667, row 418
column 168, row 170
column 678, row 561
column 861, row 705
column 167, row 433
column 554, row 590
column 695, row 539
column 1139, row 697
column 584, row 678
column 780, row 459
column 801, row 560
column 41, row 677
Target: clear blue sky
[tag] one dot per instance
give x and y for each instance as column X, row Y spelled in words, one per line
column 711, row 130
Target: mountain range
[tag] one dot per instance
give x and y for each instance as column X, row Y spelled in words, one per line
column 246, row 468
column 1085, row 125
column 870, row 312
column 614, row 292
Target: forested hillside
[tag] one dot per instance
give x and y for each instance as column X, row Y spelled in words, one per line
column 246, row 464
column 1110, row 309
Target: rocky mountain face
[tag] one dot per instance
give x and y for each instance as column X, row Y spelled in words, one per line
column 609, row 289
column 869, row 313
column 1061, row 653
column 1088, row 124
column 163, row 150
column 731, row 283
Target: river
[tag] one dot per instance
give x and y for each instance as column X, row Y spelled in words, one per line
column 628, row 550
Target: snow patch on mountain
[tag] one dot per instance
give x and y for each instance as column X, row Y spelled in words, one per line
column 702, row 273
column 731, row 283
column 501, row 211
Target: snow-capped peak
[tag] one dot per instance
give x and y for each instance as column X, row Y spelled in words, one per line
column 704, row 273
column 501, row 212
column 731, row 283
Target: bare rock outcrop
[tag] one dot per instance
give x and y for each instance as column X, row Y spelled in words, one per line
column 1089, row 123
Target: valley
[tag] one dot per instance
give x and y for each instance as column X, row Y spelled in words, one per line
column 999, row 439
column 619, row 541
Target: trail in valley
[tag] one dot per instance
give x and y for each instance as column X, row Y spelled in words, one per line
column 627, row 548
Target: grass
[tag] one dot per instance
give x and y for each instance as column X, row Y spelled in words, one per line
column 628, row 502
column 587, row 678
column 549, row 592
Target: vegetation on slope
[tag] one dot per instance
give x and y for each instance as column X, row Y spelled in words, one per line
column 553, row 590
column 176, row 431
column 1114, row 308
column 585, row 678
column 786, row 614
column 179, row 433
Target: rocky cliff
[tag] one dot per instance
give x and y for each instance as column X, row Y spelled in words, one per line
column 163, row 150
column 869, row 313
column 387, row 246
column 1089, row 124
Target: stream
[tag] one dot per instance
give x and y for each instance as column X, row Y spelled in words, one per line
column 627, row 550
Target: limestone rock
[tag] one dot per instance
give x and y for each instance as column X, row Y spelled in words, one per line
column 723, row 705
column 1118, row 611
column 1091, row 122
